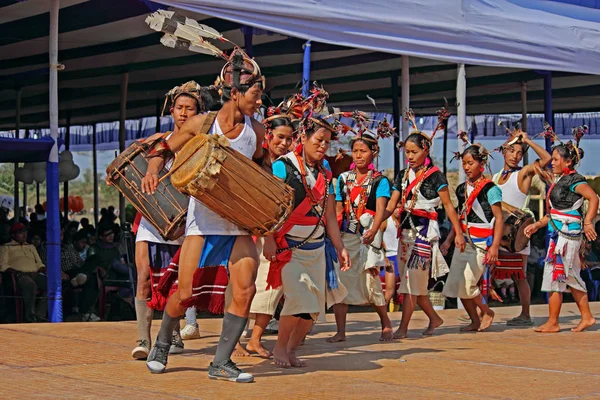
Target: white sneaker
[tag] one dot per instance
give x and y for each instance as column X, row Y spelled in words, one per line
column 190, row 332
column 91, row 317
column 142, row 350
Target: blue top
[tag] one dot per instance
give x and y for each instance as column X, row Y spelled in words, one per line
column 494, row 195
column 280, row 171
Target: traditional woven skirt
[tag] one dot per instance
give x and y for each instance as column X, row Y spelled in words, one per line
column 265, row 301
column 569, row 263
column 466, row 270
column 364, row 287
column 413, row 281
column 304, row 283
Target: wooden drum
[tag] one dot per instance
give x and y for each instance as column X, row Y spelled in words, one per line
column 232, row 185
column 166, row 209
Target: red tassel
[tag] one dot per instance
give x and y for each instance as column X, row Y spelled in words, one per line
column 274, row 276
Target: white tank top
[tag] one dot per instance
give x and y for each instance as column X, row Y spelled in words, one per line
column 511, row 194
column 201, row 220
column 146, row 231
column 390, row 238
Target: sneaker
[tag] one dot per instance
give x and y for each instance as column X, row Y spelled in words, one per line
column 90, row 317
column 157, row 359
column 190, row 332
column 230, row 372
column 81, row 279
column 176, row 344
column 142, row 350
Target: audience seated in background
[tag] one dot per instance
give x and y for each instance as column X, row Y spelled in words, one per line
column 22, row 260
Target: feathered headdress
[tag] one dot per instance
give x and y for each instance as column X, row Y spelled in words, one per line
column 185, row 33
column 516, row 135
column 483, row 152
column 192, row 89
column 573, row 145
column 409, row 116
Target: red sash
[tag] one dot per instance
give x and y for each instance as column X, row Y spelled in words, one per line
column 359, row 190
column 414, row 183
column 298, row 217
column 473, row 196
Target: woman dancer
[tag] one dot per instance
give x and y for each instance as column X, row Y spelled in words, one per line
column 301, row 254
column 419, row 190
column 361, row 194
column 479, row 200
column 564, row 220
column 278, row 139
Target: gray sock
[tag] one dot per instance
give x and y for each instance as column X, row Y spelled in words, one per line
column 233, row 327
column 143, row 315
column 190, row 316
column 165, row 334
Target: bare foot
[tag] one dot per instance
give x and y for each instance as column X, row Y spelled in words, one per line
column 258, row 348
column 338, row 337
column 432, row 325
column 487, row 320
column 548, row 327
column 386, row 334
column 584, row 324
column 240, row 351
column 295, row 361
column 281, row 358
column 400, row 334
column 472, row 327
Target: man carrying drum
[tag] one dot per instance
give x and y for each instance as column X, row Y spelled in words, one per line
column 152, row 252
column 223, row 243
column 515, row 183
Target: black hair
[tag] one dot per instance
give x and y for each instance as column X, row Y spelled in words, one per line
column 282, row 121
column 524, row 147
column 477, row 152
column 421, row 142
column 313, row 124
column 569, row 152
column 204, row 101
column 370, row 142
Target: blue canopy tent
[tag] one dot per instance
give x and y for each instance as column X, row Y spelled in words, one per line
column 14, row 150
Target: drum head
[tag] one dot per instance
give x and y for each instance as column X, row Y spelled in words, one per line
column 520, row 242
column 189, row 160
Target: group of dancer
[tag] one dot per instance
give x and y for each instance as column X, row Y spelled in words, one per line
column 330, row 250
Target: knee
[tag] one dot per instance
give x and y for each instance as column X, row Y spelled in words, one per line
column 184, row 293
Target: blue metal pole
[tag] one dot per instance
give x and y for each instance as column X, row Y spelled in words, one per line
column 248, row 32
column 548, row 114
column 306, row 69
column 52, row 221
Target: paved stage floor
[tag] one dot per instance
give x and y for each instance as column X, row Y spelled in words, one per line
column 92, row 360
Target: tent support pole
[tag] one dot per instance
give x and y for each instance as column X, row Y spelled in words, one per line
column 16, row 205
column 306, row 69
column 122, row 133
column 66, row 183
column 24, row 184
column 53, row 223
column 405, row 100
column 461, row 98
column 548, row 114
column 95, row 173
column 524, row 116
column 396, row 119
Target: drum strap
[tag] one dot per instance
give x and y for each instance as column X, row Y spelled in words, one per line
column 209, row 120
